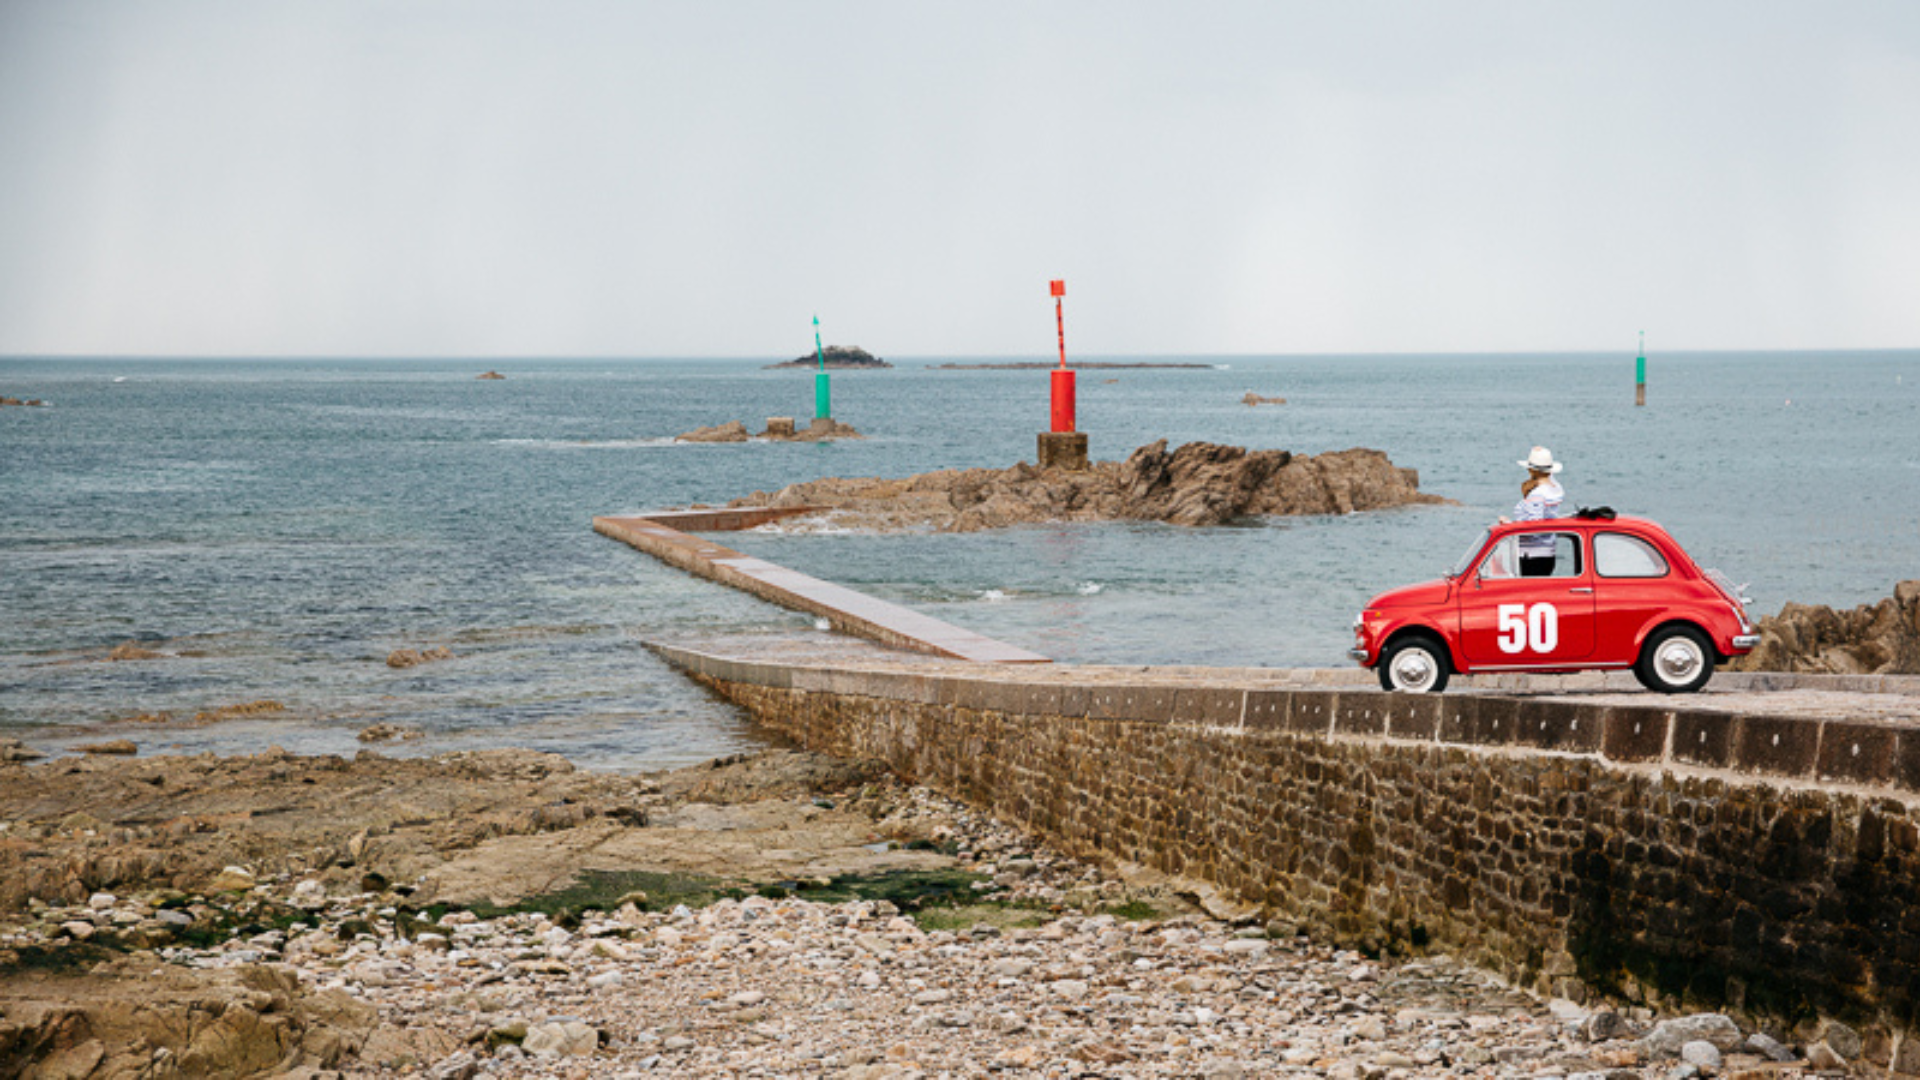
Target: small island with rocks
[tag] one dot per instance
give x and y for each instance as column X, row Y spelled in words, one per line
column 23, row 402
column 490, row 376
column 837, row 358
column 779, row 429
column 1197, row 484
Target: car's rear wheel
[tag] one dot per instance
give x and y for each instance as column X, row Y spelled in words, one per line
column 1676, row 660
column 1414, row 665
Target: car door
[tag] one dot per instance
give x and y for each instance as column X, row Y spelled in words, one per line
column 1511, row 621
column 1634, row 590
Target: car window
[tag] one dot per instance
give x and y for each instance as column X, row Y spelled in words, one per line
column 1466, row 557
column 1525, row 554
column 1619, row 555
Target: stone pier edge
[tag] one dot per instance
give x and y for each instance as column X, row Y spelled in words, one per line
column 1875, row 758
column 1684, row 858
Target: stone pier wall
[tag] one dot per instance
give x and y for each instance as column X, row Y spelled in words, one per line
column 1767, row 866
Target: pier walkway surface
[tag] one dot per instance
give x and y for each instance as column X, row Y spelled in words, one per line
column 664, row 535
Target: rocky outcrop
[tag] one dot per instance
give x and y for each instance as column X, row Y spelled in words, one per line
column 779, row 429
column 1198, row 484
column 25, row 402
column 406, row 658
column 138, row 1016
column 1252, row 398
column 1872, row 639
column 133, row 650
column 731, row 431
column 838, row 358
column 467, row 826
column 490, row 375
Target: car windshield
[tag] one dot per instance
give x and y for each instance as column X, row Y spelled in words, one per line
column 1466, row 557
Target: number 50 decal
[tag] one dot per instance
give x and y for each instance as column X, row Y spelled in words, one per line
column 1529, row 629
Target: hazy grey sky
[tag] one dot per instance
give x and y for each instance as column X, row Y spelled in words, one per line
column 652, row 179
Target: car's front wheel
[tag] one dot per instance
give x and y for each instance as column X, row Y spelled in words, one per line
column 1414, row 665
column 1676, row 660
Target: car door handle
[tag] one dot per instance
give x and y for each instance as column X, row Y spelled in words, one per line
column 1583, row 588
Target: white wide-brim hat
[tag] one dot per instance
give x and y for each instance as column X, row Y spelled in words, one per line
column 1540, row 458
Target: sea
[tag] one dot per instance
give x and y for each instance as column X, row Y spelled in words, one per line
column 274, row 528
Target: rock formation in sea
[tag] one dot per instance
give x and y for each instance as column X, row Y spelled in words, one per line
column 1252, row 398
column 25, row 402
column 779, row 429
column 1197, row 484
column 1872, row 639
column 838, row 358
column 406, row 658
column 489, row 375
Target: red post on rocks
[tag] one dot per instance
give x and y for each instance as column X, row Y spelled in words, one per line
column 1062, row 375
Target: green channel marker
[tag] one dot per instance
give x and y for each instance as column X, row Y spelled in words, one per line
column 821, row 407
column 1640, row 372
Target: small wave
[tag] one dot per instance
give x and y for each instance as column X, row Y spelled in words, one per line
column 1089, row 588
column 995, row 596
column 591, row 444
column 827, row 524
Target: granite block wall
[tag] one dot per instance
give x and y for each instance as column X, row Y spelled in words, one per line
column 1766, row 866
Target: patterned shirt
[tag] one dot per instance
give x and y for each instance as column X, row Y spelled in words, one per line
column 1540, row 504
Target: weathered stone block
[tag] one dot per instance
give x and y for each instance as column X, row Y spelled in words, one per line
column 1459, row 717
column 1268, row 710
column 1776, row 745
column 1311, row 712
column 1075, row 699
column 1855, row 753
column 1558, row 725
column 1635, row 733
column 1701, row 738
column 1136, row 702
column 1041, row 699
column 1360, row 713
column 1906, row 761
column 1414, row 716
column 1210, row 706
column 1496, row 721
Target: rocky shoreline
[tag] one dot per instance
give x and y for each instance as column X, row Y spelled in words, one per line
column 364, row 954
column 1198, row 484
column 1872, row 639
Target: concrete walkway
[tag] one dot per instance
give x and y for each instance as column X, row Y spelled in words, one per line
column 851, row 612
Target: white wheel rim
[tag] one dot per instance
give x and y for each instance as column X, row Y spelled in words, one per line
column 1678, row 660
column 1414, row 670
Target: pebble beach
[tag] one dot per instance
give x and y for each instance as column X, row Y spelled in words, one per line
column 1052, row 968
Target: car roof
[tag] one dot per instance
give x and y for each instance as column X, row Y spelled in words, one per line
column 1621, row 522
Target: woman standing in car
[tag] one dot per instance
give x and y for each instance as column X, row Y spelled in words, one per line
column 1540, row 499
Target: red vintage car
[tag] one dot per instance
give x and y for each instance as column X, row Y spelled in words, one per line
column 1598, row 592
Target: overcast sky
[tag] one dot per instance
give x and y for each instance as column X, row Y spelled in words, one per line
column 563, row 177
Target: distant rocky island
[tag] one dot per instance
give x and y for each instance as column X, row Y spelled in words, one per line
column 23, row 402
column 1197, row 484
column 779, row 429
column 1077, row 365
column 838, row 357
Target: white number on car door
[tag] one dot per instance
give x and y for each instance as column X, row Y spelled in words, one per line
column 1528, row 629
